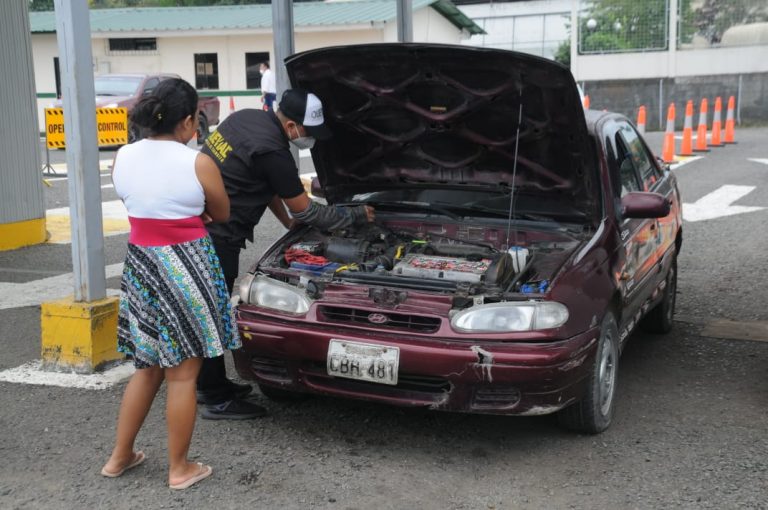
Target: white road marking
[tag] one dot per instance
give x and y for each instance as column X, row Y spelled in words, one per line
column 759, row 160
column 32, row 373
column 15, row 295
column 61, row 168
column 107, row 186
column 111, row 209
column 718, row 204
column 55, row 179
column 683, row 161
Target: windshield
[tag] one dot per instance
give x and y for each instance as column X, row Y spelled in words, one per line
column 466, row 203
column 116, row 85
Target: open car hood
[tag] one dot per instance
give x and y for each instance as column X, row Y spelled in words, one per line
column 410, row 115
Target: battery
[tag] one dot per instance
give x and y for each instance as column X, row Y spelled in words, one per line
column 443, row 268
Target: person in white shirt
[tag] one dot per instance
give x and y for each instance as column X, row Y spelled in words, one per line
column 268, row 89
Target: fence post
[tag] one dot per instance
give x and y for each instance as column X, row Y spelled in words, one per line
column 738, row 101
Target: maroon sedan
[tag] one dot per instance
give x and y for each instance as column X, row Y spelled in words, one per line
column 518, row 241
column 125, row 90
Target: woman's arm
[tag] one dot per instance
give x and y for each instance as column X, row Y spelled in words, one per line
column 216, row 198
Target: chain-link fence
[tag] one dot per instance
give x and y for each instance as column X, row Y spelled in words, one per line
column 615, row 26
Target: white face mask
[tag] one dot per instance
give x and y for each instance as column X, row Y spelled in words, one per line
column 303, row 142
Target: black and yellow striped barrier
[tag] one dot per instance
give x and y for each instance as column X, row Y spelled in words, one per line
column 111, row 127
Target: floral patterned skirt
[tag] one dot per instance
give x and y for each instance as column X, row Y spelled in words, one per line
column 174, row 305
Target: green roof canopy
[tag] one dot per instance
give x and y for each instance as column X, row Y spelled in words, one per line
column 233, row 17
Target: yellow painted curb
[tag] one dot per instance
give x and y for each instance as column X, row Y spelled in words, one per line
column 22, row 233
column 60, row 229
column 79, row 337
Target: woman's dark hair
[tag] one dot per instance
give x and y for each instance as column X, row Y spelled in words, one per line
column 171, row 102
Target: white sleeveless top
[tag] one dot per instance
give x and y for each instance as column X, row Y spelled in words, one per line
column 156, row 179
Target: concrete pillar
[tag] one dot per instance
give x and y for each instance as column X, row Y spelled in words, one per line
column 79, row 333
column 22, row 214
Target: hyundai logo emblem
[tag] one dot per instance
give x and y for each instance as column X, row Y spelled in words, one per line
column 378, row 318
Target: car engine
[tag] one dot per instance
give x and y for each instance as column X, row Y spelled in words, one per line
column 389, row 254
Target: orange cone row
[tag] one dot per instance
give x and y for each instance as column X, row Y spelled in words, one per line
column 687, row 147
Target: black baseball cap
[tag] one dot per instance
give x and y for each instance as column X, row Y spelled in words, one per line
column 306, row 109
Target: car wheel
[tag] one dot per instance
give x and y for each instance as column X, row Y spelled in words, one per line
column 134, row 133
column 659, row 320
column 202, row 129
column 279, row 395
column 593, row 413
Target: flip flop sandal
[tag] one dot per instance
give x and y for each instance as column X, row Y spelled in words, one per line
column 205, row 472
column 138, row 458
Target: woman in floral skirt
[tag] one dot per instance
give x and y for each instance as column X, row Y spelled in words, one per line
column 174, row 304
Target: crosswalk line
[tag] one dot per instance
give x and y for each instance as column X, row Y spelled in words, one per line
column 16, row 295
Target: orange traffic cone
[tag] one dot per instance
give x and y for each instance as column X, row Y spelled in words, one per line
column 686, row 148
column 641, row 120
column 701, row 133
column 668, row 149
column 586, row 102
column 717, row 125
column 730, row 124
column 231, row 104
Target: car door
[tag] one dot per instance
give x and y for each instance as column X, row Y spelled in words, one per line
column 657, row 180
column 638, row 272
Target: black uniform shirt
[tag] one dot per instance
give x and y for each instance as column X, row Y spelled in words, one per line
column 251, row 150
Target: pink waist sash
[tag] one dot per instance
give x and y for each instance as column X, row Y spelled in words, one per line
column 160, row 232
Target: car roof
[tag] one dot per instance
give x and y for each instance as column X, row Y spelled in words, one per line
column 594, row 117
column 140, row 75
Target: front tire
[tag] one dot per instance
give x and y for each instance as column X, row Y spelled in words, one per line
column 660, row 319
column 593, row 413
column 202, row 129
column 280, row 395
column 134, row 133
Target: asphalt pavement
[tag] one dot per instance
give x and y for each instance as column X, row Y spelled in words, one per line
column 691, row 427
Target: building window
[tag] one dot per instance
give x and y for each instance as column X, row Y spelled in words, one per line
column 133, row 44
column 252, row 75
column 206, row 71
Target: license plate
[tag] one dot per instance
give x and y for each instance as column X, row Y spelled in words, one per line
column 364, row 362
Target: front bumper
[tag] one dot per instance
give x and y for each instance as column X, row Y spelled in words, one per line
column 515, row 378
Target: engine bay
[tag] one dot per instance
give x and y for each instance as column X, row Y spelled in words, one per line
column 440, row 257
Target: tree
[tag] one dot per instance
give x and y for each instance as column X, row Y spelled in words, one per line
column 40, row 5
column 626, row 25
column 563, row 53
column 714, row 17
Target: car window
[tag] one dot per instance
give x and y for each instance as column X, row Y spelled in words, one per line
column 641, row 159
column 628, row 180
column 150, row 85
column 111, row 85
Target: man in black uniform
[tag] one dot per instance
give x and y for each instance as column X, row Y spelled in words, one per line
column 251, row 149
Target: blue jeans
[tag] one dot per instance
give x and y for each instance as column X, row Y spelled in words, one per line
column 269, row 99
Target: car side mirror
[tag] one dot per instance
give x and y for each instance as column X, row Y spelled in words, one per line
column 643, row 204
column 316, row 188
column 663, row 164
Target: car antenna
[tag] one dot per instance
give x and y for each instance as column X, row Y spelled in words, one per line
column 514, row 174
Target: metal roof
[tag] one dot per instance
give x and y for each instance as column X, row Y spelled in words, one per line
column 232, row 17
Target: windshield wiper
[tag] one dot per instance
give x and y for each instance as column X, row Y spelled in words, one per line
column 403, row 204
column 547, row 217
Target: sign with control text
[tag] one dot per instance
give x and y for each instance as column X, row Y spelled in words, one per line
column 111, row 127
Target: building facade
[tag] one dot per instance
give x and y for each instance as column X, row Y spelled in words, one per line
column 218, row 49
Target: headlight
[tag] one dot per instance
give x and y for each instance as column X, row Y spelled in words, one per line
column 511, row 316
column 269, row 293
